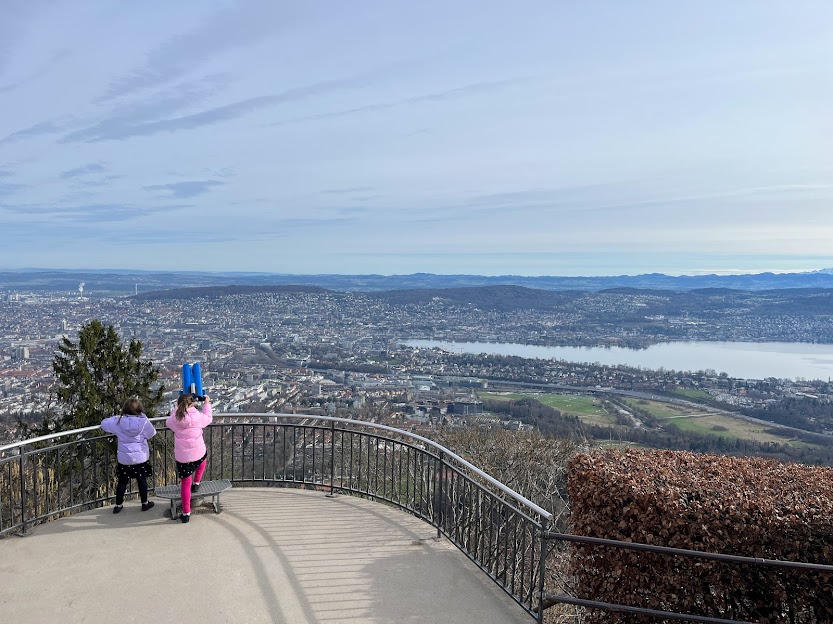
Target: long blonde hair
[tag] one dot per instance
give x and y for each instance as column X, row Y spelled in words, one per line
column 182, row 404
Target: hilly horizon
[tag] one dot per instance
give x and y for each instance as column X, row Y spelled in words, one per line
column 109, row 282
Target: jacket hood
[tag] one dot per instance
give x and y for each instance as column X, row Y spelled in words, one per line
column 132, row 425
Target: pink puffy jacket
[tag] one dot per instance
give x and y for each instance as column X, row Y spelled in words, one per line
column 188, row 443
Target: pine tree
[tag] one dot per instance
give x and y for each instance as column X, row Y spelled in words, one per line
column 98, row 373
column 94, row 376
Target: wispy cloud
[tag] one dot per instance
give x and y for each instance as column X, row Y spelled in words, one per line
column 45, row 127
column 349, row 190
column 89, row 213
column 305, row 223
column 105, row 131
column 151, row 118
column 84, row 170
column 54, row 59
column 283, row 228
column 14, row 25
column 164, row 102
column 611, row 198
column 760, row 193
column 8, row 188
column 93, row 183
column 125, row 120
column 161, row 236
column 244, row 24
column 539, row 200
column 184, row 190
column 270, row 228
column 437, row 96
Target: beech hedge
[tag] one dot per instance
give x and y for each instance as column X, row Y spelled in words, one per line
column 734, row 505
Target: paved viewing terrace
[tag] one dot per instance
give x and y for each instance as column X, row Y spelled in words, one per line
column 273, row 555
column 329, row 520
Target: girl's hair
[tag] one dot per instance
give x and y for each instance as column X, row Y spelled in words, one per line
column 132, row 407
column 182, row 404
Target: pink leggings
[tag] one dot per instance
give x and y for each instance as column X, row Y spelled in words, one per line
column 185, row 488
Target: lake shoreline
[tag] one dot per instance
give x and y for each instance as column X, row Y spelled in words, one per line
column 741, row 360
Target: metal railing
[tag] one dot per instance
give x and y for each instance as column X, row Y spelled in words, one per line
column 502, row 532
column 820, row 610
column 507, row 536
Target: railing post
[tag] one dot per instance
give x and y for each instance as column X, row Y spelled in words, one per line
column 332, row 457
column 542, row 570
column 439, row 494
column 22, row 490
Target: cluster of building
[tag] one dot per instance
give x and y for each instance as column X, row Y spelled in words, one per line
column 336, row 353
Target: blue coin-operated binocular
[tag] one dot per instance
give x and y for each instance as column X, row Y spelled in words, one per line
column 192, row 381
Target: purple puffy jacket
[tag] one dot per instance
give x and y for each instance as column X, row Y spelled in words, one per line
column 188, row 443
column 133, row 433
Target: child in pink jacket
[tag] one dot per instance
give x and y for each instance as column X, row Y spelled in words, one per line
column 187, row 423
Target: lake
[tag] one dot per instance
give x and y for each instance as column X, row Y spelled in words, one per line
column 745, row 360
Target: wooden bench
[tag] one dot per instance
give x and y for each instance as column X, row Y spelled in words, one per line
column 207, row 488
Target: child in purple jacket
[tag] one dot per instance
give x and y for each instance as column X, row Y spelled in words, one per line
column 133, row 430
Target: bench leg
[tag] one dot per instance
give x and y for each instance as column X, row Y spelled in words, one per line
column 173, row 509
column 216, row 501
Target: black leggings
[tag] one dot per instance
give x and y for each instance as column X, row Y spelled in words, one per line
column 121, row 488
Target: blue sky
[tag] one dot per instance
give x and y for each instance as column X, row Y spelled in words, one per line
column 529, row 138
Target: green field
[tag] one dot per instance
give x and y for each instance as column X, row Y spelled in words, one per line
column 586, row 408
column 702, row 421
column 686, row 418
column 659, row 409
column 692, row 393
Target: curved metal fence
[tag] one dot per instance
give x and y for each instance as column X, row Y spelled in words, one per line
column 507, row 536
column 503, row 533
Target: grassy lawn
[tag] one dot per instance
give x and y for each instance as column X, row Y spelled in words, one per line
column 700, row 421
column 685, row 418
column 504, row 396
column 700, row 425
column 658, row 409
column 572, row 404
column 692, row 393
column 586, row 408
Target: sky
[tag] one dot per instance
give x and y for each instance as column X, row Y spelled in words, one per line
column 497, row 138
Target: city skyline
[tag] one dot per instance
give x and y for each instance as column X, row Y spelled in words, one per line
column 478, row 138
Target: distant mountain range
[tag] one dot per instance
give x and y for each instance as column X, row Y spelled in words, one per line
column 115, row 282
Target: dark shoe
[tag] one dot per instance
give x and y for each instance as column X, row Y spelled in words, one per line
column 195, row 487
column 146, row 506
column 117, row 508
column 185, row 518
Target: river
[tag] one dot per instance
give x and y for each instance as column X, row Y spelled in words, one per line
column 745, row 360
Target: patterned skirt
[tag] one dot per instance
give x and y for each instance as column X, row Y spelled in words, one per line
column 187, row 469
column 136, row 471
